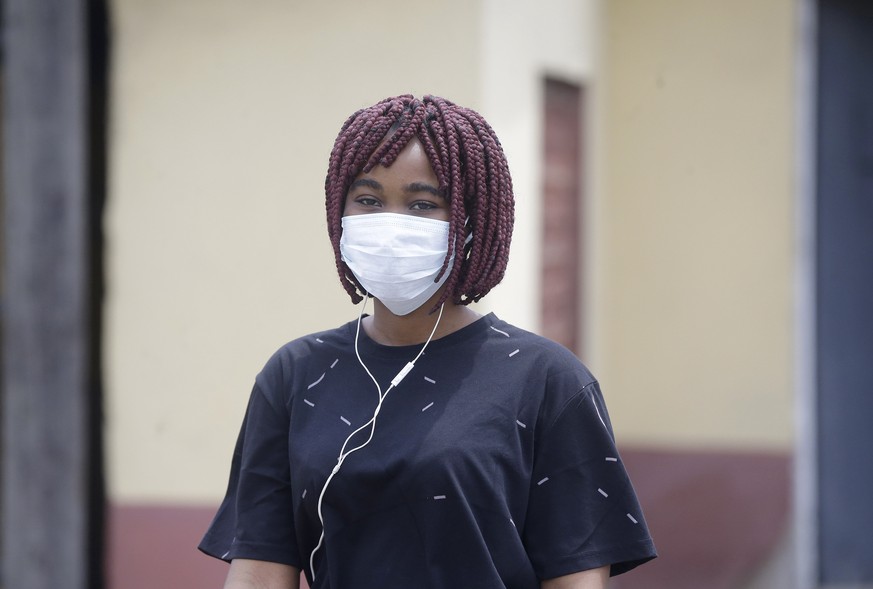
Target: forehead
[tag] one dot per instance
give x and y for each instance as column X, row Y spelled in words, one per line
column 410, row 165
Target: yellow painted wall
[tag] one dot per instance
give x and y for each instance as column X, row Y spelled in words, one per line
column 694, row 281
column 525, row 42
column 224, row 113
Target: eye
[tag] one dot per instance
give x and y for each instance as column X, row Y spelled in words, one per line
column 423, row 205
column 368, row 201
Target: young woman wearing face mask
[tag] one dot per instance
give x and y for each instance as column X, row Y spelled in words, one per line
column 424, row 445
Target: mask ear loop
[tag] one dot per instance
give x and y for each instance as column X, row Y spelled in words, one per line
column 371, row 423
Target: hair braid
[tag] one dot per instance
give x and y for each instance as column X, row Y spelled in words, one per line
column 467, row 159
column 455, row 194
column 478, row 184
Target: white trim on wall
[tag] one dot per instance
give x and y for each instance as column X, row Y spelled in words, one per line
column 806, row 428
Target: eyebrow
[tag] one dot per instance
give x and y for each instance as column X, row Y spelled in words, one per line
column 423, row 187
column 366, row 182
column 409, row 188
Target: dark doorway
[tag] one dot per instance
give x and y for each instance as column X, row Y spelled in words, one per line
column 562, row 192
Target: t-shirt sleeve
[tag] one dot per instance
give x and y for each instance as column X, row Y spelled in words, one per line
column 583, row 512
column 256, row 519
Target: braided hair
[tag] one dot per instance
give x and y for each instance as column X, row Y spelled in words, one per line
column 473, row 174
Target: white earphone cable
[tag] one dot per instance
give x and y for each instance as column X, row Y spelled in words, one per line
column 371, row 422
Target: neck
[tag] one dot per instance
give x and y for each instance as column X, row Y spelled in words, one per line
column 394, row 330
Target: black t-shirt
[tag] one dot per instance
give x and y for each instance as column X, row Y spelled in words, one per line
column 492, row 465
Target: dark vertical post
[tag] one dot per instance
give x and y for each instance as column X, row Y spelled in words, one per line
column 48, row 364
column 844, row 292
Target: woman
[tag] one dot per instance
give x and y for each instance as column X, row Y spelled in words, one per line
column 425, row 445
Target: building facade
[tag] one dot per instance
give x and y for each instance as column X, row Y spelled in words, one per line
column 682, row 117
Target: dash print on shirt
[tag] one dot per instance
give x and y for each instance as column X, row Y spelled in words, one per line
column 499, row 331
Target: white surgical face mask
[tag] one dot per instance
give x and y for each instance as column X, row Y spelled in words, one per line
column 396, row 257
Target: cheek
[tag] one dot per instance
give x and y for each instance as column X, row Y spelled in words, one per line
column 345, row 204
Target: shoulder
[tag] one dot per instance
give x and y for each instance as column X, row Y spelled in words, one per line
column 281, row 368
column 551, row 376
column 545, row 357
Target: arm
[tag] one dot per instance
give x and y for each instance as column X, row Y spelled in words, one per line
column 259, row 574
column 592, row 579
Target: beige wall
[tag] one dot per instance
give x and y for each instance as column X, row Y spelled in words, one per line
column 525, row 41
column 223, row 115
column 693, row 283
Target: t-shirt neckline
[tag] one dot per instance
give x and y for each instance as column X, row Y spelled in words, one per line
column 369, row 346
